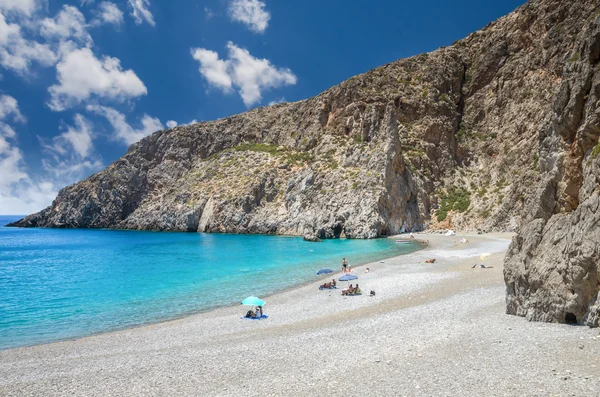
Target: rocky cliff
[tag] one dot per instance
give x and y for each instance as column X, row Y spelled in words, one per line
column 552, row 269
column 448, row 138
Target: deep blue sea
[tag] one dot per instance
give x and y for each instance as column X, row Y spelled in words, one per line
column 57, row 283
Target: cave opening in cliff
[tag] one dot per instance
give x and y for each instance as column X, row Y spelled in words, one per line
column 337, row 230
column 570, row 318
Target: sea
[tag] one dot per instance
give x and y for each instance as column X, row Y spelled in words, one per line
column 58, row 284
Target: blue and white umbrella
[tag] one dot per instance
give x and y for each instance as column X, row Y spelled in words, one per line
column 324, row 271
column 348, row 277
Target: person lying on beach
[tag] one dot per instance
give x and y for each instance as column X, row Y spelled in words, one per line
column 330, row 285
column 250, row 314
column 482, row 266
column 430, row 261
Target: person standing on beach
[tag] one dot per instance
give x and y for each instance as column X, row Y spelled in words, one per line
column 344, row 265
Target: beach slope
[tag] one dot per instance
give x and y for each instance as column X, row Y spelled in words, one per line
column 432, row 329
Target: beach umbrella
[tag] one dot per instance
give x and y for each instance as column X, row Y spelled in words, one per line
column 324, row 271
column 253, row 301
column 348, row 277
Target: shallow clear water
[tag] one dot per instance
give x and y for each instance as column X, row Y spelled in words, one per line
column 59, row 283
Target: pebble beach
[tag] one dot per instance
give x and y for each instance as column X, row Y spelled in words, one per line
column 435, row 329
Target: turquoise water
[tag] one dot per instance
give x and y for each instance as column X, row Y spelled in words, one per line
column 58, row 283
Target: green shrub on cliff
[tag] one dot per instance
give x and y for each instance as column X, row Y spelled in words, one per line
column 259, row 147
column 457, row 199
column 595, row 152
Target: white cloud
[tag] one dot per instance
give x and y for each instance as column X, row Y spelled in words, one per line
column 212, row 68
column 10, row 107
column 173, row 123
column 26, row 7
column 68, row 24
column 123, row 131
column 280, row 100
column 208, row 13
column 248, row 74
column 18, row 53
column 78, row 138
column 140, row 12
column 17, row 193
column 81, row 75
column 108, row 13
column 7, row 131
column 252, row 13
column 86, row 2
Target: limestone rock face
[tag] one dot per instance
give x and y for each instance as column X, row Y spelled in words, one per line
column 552, row 269
column 448, row 138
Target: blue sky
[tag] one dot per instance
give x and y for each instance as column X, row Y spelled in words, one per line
column 83, row 79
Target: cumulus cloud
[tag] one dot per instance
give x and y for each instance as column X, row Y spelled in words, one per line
column 122, row 130
column 68, row 24
column 252, row 13
column 81, row 75
column 173, row 123
column 18, row 195
column 9, row 107
column 140, row 12
column 108, row 13
column 26, row 7
column 78, row 138
column 249, row 75
column 280, row 100
column 215, row 70
column 17, row 53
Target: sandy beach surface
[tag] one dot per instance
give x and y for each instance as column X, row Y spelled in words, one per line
column 431, row 330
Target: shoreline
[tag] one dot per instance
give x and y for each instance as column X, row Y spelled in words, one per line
column 432, row 329
column 420, row 245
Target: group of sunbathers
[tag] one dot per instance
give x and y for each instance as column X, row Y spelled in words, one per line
column 258, row 313
column 351, row 290
column 331, row 285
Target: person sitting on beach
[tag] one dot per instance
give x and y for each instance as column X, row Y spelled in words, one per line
column 348, row 291
column 259, row 312
column 367, row 270
column 356, row 290
column 333, row 283
column 344, row 265
column 250, row 314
